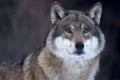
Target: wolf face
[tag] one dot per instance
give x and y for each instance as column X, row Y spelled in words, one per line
column 75, row 34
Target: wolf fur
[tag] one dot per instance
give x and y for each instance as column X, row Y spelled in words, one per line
column 72, row 48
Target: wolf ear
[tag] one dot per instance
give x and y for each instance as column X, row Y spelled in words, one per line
column 95, row 12
column 57, row 12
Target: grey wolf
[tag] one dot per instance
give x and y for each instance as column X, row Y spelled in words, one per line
column 72, row 49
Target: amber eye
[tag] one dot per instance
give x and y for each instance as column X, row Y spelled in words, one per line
column 86, row 30
column 68, row 30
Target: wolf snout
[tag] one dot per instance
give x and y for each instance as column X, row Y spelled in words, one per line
column 79, row 46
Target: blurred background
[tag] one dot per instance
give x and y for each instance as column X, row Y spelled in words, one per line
column 24, row 25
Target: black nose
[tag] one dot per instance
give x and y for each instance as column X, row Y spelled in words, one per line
column 79, row 45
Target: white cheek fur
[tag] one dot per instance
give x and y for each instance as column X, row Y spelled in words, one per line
column 64, row 49
column 91, row 48
column 64, row 45
column 91, row 45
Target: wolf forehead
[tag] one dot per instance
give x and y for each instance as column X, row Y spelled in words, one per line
column 77, row 19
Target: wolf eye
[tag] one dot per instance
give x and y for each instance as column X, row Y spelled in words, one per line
column 68, row 30
column 86, row 30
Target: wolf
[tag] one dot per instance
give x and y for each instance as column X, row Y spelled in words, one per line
column 72, row 49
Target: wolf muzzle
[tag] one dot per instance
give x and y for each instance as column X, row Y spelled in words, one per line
column 79, row 46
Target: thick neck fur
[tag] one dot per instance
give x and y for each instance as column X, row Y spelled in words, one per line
column 58, row 69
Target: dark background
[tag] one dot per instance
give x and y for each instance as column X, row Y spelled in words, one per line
column 24, row 25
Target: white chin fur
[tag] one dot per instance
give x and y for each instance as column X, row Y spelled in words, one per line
column 64, row 49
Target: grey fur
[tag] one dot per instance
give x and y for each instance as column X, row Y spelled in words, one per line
column 55, row 62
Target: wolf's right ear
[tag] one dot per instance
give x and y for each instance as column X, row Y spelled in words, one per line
column 57, row 12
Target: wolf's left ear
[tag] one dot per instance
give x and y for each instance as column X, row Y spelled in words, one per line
column 57, row 12
column 95, row 12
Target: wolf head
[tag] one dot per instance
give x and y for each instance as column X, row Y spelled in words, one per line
column 75, row 34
